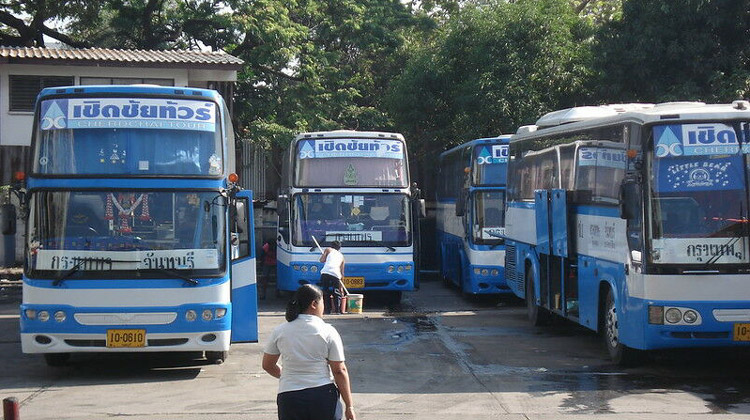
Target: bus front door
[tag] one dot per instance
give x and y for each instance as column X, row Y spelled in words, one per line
column 243, row 276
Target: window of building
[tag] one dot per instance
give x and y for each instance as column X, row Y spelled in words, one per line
column 126, row 81
column 24, row 89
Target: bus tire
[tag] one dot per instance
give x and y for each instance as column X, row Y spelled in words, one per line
column 216, row 357
column 394, row 298
column 618, row 352
column 538, row 316
column 56, row 359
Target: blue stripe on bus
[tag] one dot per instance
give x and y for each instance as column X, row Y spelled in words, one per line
column 107, row 283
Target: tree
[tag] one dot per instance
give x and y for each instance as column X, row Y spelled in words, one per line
column 680, row 50
column 25, row 23
column 496, row 66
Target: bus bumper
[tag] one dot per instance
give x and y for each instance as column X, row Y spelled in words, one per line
column 718, row 324
column 85, row 329
column 386, row 276
column 486, row 280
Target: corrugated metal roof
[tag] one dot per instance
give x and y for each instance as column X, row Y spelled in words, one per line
column 114, row 56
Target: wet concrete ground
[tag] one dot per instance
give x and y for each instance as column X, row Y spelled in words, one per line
column 435, row 356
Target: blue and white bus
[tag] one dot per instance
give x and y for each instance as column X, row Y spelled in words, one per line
column 632, row 220
column 471, row 216
column 138, row 238
column 350, row 186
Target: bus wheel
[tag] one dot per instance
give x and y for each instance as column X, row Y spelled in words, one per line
column 56, row 359
column 618, row 352
column 394, row 298
column 538, row 316
column 216, row 357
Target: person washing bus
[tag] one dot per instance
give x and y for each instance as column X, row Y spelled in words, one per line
column 331, row 276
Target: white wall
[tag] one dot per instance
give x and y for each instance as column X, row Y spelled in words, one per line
column 16, row 127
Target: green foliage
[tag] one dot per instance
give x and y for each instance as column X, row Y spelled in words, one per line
column 677, row 50
column 498, row 65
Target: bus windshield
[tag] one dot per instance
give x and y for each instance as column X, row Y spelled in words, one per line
column 699, row 201
column 351, row 162
column 353, row 219
column 489, row 217
column 126, row 233
column 128, row 136
column 489, row 164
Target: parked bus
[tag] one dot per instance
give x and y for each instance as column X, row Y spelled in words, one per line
column 352, row 187
column 138, row 239
column 632, row 220
column 471, row 216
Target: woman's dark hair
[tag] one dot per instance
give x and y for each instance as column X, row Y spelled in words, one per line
column 303, row 297
column 336, row 245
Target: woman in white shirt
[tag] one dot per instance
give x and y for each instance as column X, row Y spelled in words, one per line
column 331, row 275
column 312, row 356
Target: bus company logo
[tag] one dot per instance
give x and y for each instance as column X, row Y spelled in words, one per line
column 668, row 144
column 354, row 148
column 53, row 115
column 698, row 140
column 306, row 150
column 494, row 154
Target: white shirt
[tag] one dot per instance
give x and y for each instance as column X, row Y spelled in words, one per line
column 306, row 345
column 333, row 262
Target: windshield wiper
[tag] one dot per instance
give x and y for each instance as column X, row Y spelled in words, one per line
column 69, row 273
column 390, row 248
column 719, row 254
column 175, row 273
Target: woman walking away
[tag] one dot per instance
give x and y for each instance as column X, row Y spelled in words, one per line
column 331, row 275
column 312, row 357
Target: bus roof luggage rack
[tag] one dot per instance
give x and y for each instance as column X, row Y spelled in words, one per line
column 582, row 113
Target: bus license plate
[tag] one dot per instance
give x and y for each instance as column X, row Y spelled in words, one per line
column 354, row 282
column 741, row 332
column 126, row 338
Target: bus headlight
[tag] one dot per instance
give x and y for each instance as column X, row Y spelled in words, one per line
column 314, row 269
column 220, row 313
column 304, row 269
column 391, row 268
column 296, row 267
column 207, row 315
column 673, row 315
column 60, row 316
column 485, row 271
column 43, row 316
column 408, row 268
column 400, row 269
column 495, row 272
column 190, row 315
column 477, row 271
column 31, row 314
column 690, row 316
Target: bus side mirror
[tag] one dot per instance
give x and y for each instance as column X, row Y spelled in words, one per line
column 630, row 199
column 422, row 208
column 461, row 203
column 282, row 204
column 8, row 219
